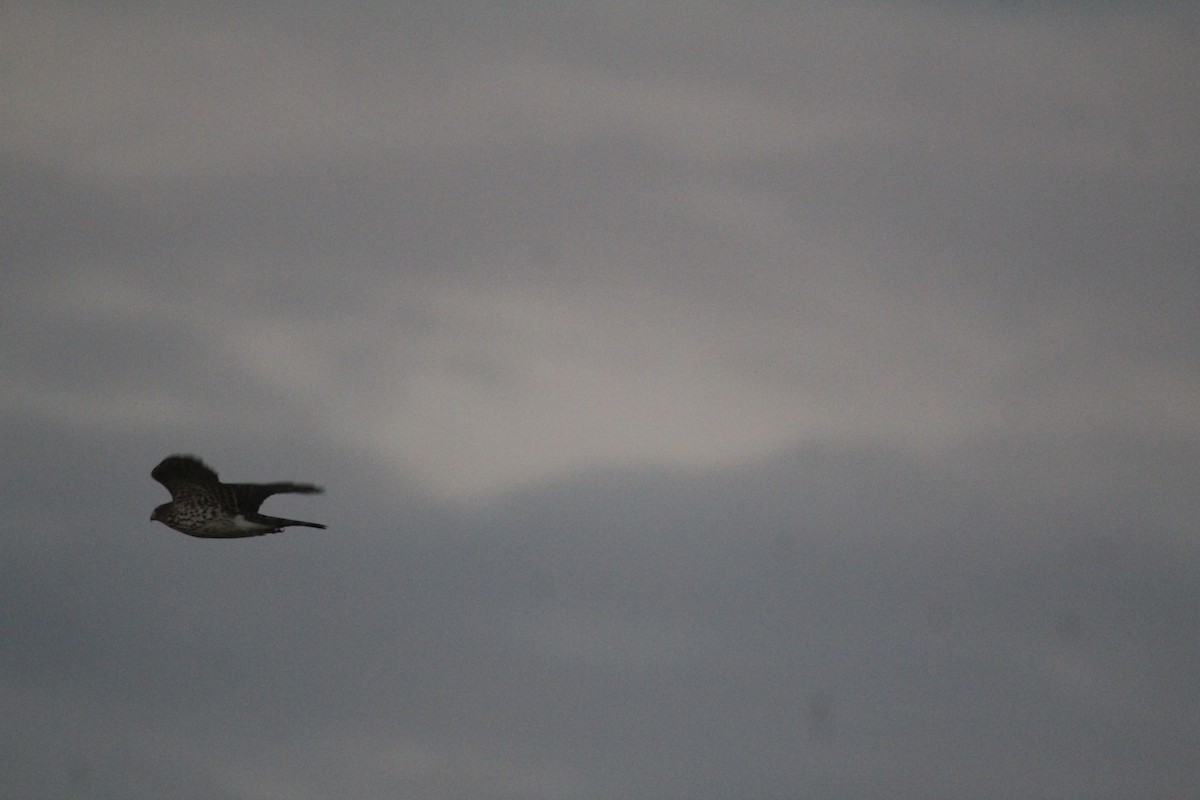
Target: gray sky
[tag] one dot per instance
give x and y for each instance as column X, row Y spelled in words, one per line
column 713, row 401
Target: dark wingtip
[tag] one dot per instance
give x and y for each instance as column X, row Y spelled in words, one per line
column 293, row 488
column 185, row 465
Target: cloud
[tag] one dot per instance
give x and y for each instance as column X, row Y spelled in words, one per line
column 709, row 402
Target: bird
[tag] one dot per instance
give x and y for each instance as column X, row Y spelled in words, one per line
column 202, row 506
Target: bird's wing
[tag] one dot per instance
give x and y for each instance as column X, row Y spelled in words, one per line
column 183, row 475
column 249, row 496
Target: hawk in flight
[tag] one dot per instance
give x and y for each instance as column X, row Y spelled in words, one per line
column 203, row 506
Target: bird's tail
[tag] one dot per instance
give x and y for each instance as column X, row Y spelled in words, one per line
column 280, row 522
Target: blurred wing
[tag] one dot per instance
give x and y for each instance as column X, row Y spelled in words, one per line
column 185, row 475
column 247, row 497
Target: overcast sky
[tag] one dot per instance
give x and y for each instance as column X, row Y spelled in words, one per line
column 713, row 401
